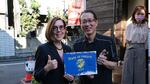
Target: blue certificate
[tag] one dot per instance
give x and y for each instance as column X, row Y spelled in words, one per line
column 80, row 63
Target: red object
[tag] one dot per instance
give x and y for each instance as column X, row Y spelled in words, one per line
column 75, row 7
column 28, row 77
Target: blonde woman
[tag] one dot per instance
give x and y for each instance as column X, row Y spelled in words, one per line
column 49, row 67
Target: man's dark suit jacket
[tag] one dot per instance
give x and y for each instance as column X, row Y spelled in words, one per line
column 54, row 76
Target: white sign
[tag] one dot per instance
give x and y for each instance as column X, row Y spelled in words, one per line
column 29, row 65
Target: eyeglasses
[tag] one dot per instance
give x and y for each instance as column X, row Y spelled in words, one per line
column 87, row 21
column 58, row 28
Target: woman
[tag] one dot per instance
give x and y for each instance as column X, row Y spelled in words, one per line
column 49, row 67
column 136, row 36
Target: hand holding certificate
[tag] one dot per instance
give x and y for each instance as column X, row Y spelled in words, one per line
column 80, row 63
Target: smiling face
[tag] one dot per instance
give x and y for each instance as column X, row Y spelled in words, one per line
column 59, row 30
column 88, row 23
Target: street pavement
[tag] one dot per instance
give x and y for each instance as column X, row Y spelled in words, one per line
column 12, row 72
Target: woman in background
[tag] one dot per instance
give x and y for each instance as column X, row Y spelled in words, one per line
column 134, row 67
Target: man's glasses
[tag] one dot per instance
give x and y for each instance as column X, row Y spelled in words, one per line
column 87, row 21
column 57, row 28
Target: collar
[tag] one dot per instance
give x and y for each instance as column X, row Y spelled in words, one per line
column 95, row 39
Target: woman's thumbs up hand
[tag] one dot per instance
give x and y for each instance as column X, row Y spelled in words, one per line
column 51, row 64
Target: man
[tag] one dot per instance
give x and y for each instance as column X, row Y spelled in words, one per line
column 103, row 45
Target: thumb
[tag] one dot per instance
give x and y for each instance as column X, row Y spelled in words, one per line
column 104, row 50
column 49, row 57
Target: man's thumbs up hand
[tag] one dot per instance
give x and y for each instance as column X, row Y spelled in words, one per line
column 51, row 64
column 49, row 57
